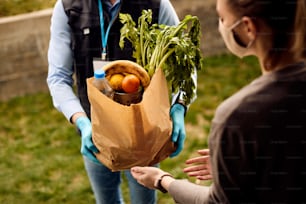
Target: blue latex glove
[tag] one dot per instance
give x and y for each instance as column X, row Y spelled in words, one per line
column 177, row 114
column 87, row 146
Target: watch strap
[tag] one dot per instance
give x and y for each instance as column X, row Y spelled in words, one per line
column 158, row 185
column 181, row 100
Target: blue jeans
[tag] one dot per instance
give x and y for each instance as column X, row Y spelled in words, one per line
column 106, row 186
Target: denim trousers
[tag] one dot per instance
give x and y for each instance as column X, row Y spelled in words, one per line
column 106, row 185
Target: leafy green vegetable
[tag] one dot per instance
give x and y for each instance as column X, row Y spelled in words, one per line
column 175, row 49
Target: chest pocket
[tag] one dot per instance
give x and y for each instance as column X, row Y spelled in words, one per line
column 86, row 34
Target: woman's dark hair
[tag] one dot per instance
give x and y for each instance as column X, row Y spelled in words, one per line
column 286, row 18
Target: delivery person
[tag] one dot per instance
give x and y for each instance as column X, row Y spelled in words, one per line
column 84, row 30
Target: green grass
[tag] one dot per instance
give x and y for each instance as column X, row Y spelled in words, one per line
column 14, row 7
column 39, row 149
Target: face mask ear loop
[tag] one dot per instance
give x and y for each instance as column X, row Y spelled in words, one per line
column 235, row 24
column 250, row 43
column 232, row 26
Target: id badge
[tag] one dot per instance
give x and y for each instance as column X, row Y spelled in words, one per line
column 99, row 63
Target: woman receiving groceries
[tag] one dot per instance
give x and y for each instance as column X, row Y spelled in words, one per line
column 257, row 142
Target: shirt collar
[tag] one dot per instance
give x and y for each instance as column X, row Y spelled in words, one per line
column 109, row 6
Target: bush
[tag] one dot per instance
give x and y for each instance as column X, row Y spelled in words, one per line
column 14, row 7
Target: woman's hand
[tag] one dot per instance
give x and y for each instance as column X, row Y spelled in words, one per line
column 201, row 168
column 149, row 176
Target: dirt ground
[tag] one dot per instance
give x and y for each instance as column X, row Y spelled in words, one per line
column 211, row 42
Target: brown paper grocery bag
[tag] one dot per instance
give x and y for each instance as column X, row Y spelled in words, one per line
column 138, row 134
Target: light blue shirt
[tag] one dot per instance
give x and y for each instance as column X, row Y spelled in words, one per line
column 60, row 56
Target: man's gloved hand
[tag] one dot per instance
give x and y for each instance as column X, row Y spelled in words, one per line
column 177, row 114
column 87, row 147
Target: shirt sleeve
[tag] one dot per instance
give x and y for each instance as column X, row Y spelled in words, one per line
column 60, row 58
column 167, row 14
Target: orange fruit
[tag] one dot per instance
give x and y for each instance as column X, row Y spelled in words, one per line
column 130, row 83
column 116, row 81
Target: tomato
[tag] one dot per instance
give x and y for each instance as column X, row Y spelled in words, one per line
column 130, row 83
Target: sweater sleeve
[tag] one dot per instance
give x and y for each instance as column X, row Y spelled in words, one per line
column 184, row 191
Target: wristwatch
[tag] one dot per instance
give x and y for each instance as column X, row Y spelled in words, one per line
column 181, row 100
column 158, row 185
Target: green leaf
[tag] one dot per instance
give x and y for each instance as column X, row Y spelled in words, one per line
column 175, row 49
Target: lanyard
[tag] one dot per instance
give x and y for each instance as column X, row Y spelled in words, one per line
column 104, row 35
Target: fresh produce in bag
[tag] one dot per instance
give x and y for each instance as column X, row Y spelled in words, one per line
column 128, row 79
column 139, row 133
column 174, row 49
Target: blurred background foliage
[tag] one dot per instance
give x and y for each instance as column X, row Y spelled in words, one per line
column 14, row 7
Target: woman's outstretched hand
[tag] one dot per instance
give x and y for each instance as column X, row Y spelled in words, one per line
column 201, row 168
column 147, row 176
